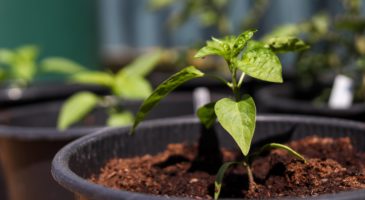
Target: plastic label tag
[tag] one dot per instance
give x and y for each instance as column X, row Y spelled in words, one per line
column 201, row 96
column 342, row 93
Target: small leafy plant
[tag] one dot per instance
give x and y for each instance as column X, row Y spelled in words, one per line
column 338, row 47
column 237, row 115
column 19, row 67
column 129, row 83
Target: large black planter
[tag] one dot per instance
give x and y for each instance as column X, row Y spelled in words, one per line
column 29, row 140
column 287, row 99
column 85, row 156
column 10, row 97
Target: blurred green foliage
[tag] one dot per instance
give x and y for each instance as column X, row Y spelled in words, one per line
column 20, row 67
column 210, row 13
column 129, row 83
column 337, row 46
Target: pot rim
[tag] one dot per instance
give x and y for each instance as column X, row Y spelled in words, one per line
column 68, row 179
column 41, row 91
column 52, row 133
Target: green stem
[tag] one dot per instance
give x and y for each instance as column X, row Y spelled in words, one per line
column 252, row 183
column 235, row 87
column 241, row 80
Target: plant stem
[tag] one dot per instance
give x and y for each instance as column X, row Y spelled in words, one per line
column 235, row 87
column 252, row 183
column 241, row 80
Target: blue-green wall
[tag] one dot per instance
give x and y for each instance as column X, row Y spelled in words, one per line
column 61, row 27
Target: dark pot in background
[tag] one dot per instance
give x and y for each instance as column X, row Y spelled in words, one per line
column 77, row 161
column 287, row 99
column 10, row 97
column 29, row 140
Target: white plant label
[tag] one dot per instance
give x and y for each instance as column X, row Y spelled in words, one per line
column 201, row 96
column 342, row 93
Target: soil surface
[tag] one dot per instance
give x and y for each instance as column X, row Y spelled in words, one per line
column 333, row 165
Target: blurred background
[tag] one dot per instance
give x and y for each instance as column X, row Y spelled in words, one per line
column 95, row 33
column 87, row 41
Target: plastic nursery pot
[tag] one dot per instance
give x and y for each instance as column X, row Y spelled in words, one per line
column 77, row 161
column 10, row 97
column 29, row 140
column 286, row 99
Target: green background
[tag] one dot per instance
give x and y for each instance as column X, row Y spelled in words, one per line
column 64, row 28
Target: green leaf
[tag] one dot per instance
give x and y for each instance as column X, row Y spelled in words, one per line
column 261, row 63
column 213, row 47
column 27, row 52
column 6, row 56
column 284, row 147
column 219, row 178
column 60, row 65
column 76, row 108
column 238, row 119
column 207, row 115
column 94, row 77
column 286, row 44
column 120, row 119
column 163, row 90
column 23, row 65
column 131, row 87
column 241, row 40
column 143, row 65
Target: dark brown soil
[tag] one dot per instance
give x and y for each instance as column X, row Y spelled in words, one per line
column 333, row 165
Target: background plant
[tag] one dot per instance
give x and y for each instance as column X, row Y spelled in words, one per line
column 237, row 115
column 20, row 67
column 128, row 83
column 337, row 47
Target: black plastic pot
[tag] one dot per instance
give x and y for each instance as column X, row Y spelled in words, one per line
column 10, row 97
column 77, row 161
column 29, row 140
column 286, row 99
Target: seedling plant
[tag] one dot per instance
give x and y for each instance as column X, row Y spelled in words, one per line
column 237, row 114
column 20, row 67
column 129, row 83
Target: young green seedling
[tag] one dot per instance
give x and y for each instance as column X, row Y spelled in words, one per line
column 19, row 67
column 129, row 83
column 237, row 115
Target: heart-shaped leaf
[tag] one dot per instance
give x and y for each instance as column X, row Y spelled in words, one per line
column 261, row 63
column 238, row 119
